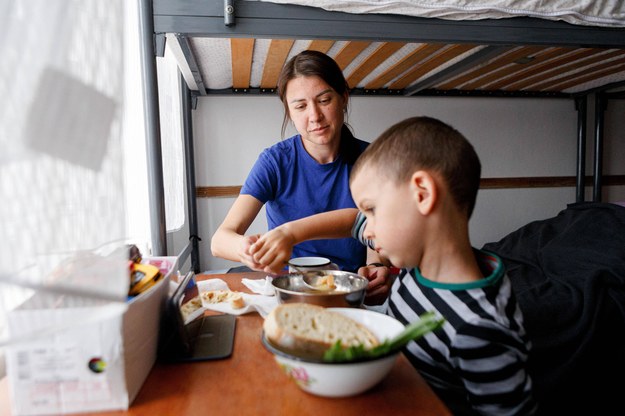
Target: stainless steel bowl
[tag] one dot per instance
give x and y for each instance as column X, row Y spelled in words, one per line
column 349, row 291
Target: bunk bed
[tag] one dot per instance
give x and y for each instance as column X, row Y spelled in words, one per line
column 571, row 50
column 499, row 48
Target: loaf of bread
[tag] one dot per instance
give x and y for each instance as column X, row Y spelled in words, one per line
column 308, row 330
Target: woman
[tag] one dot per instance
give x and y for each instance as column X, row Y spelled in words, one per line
column 303, row 175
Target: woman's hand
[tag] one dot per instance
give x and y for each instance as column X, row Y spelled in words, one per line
column 380, row 281
column 273, row 249
column 245, row 255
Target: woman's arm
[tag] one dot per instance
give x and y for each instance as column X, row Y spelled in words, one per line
column 273, row 249
column 229, row 241
column 378, row 269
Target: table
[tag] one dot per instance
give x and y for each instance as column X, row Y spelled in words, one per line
column 251, row 383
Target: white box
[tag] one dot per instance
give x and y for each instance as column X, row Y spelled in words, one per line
column 140, row 332
column 97, row 365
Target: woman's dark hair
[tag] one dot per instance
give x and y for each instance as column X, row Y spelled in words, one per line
column 307, row 64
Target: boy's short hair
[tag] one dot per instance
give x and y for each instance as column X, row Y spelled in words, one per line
column 425, row 143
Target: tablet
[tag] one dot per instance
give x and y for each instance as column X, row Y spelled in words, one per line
column 193, row 336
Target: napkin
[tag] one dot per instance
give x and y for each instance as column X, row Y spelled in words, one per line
column 260, row 286
column 253, row 303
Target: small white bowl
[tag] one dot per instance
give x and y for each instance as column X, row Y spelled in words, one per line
column 309, row 264
column 342, row 379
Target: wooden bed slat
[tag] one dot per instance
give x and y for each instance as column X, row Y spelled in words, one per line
column 380, row 55
column 533, row 68
column 560, row 66
column 580, row 70
column 434, row 62
column 486, row 82
column 427, row 66
column 479, row 57
column 590, row 74
column 242, row 52
column 276, row 57
column 320, row 45
column 422, row 52
column 349, row 52
column 488, row 67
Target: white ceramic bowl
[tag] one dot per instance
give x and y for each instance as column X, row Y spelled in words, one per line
column 309, row 264
column 342, row 379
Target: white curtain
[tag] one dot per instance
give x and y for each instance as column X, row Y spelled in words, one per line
column 171, row 141
column 71, row 134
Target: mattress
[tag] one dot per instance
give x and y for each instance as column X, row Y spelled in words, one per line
column 610, row 13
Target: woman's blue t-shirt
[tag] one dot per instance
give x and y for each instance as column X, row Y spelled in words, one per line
column 293, row 185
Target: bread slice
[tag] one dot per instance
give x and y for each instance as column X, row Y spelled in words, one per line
column 308, row 330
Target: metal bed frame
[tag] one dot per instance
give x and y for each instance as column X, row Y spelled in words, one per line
column 240, row 18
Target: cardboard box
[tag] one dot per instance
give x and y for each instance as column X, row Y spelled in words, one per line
column 98, row 364
column 141, row 329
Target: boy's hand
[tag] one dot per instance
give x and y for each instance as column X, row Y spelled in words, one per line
column 380, row 281
column 273, row 250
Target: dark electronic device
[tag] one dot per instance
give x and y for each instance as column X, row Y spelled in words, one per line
column 203, row 337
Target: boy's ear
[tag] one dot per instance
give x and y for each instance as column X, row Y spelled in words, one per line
column 424, row 191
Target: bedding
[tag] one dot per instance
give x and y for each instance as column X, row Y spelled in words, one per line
column 568, row 273
column 581, row 12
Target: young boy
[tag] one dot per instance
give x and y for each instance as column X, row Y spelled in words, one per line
column 416, row 185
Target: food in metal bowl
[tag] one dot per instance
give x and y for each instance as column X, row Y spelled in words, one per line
column 329, row 288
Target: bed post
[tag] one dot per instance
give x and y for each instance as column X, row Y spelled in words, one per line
column 189, row 157
column 156, row 192
column 600, row 104
column 581, row 105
